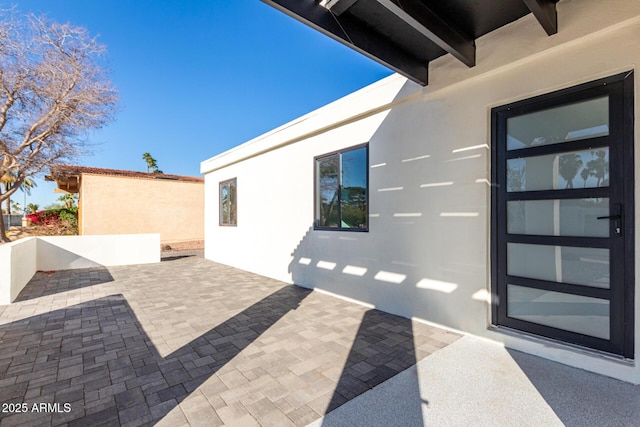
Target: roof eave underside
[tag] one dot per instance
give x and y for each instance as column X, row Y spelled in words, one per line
column 405, row 36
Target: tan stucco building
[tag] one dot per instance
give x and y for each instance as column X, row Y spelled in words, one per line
column 123, row 202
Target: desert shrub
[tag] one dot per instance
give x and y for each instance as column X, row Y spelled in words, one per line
column 69, row 216
column 56, row 222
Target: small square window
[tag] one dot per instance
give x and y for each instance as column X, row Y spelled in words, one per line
column 341, row 188
column 228, row 202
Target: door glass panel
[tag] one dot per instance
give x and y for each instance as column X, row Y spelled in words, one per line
column 581, row 120
column 584, row 315
column 571, row 217
column 576, row 169
column 562, row 264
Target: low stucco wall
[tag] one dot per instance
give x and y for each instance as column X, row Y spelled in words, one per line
column 71, row 252
column 18, row 264
column 20, row 260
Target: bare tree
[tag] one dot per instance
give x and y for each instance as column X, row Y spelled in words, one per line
column 52, row 91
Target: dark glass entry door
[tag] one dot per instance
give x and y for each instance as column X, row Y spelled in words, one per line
column 562, row 215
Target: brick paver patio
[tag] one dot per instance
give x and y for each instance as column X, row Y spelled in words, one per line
column 192, row 342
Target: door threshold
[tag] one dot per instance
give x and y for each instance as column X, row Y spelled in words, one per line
column 562, row 345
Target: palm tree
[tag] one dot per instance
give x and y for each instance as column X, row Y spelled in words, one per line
column 569, row 166
column 515, row 178
column 585, row 174
column 68, row 199
column 151, row 162
column 599, row 168
column 7, row 179
column 26, row 186
column 16, row 208
column 152, row 165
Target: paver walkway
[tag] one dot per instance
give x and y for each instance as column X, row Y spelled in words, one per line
column 192, row 342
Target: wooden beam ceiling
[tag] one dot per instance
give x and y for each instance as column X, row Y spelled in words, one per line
column 444, row 34
column 356, row 35
column 545, row 13
column 405, row 35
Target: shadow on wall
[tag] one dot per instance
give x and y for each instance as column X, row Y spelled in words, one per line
column 425, row 254
column 134, row 381
column 388, row 272
column 51, row 255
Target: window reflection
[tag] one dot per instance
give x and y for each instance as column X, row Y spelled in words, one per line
column 574, row 313
column 328, row 190
column 571, row 217
column 562, row 171
column 228, row 204
column 341, row 189
column 581, row 120
column 353, row 190
column 562, row 264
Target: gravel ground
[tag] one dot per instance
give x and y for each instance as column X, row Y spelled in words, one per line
column 184, row 246
column 182, row 249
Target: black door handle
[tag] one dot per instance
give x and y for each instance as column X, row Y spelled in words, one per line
column 609, row 217
column 617, row 225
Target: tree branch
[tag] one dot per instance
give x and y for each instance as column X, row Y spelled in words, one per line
column 52, row 91
column 28, row 140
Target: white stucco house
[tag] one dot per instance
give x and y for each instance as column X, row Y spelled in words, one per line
column 496, row 199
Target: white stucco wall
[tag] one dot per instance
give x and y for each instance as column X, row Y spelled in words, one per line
column 20, row 260
column 18, row 264
column 426, row 254
column 71, row 252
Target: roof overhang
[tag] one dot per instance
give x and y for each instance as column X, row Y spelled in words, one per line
column 65, row 183
column 406, row 35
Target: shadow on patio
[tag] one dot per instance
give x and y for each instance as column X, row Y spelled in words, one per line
column 52, row 282
column 382, row 348
column 96, row 355
column 286, row 359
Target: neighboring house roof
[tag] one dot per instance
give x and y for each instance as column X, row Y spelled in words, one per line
column 67, row 175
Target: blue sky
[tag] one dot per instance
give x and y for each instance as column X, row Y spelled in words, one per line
column 199, row 77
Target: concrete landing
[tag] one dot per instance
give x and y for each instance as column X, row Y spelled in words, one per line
column 473, row 382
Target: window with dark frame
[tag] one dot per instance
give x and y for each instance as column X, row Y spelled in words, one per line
column 228, row 202
column 342, row 190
